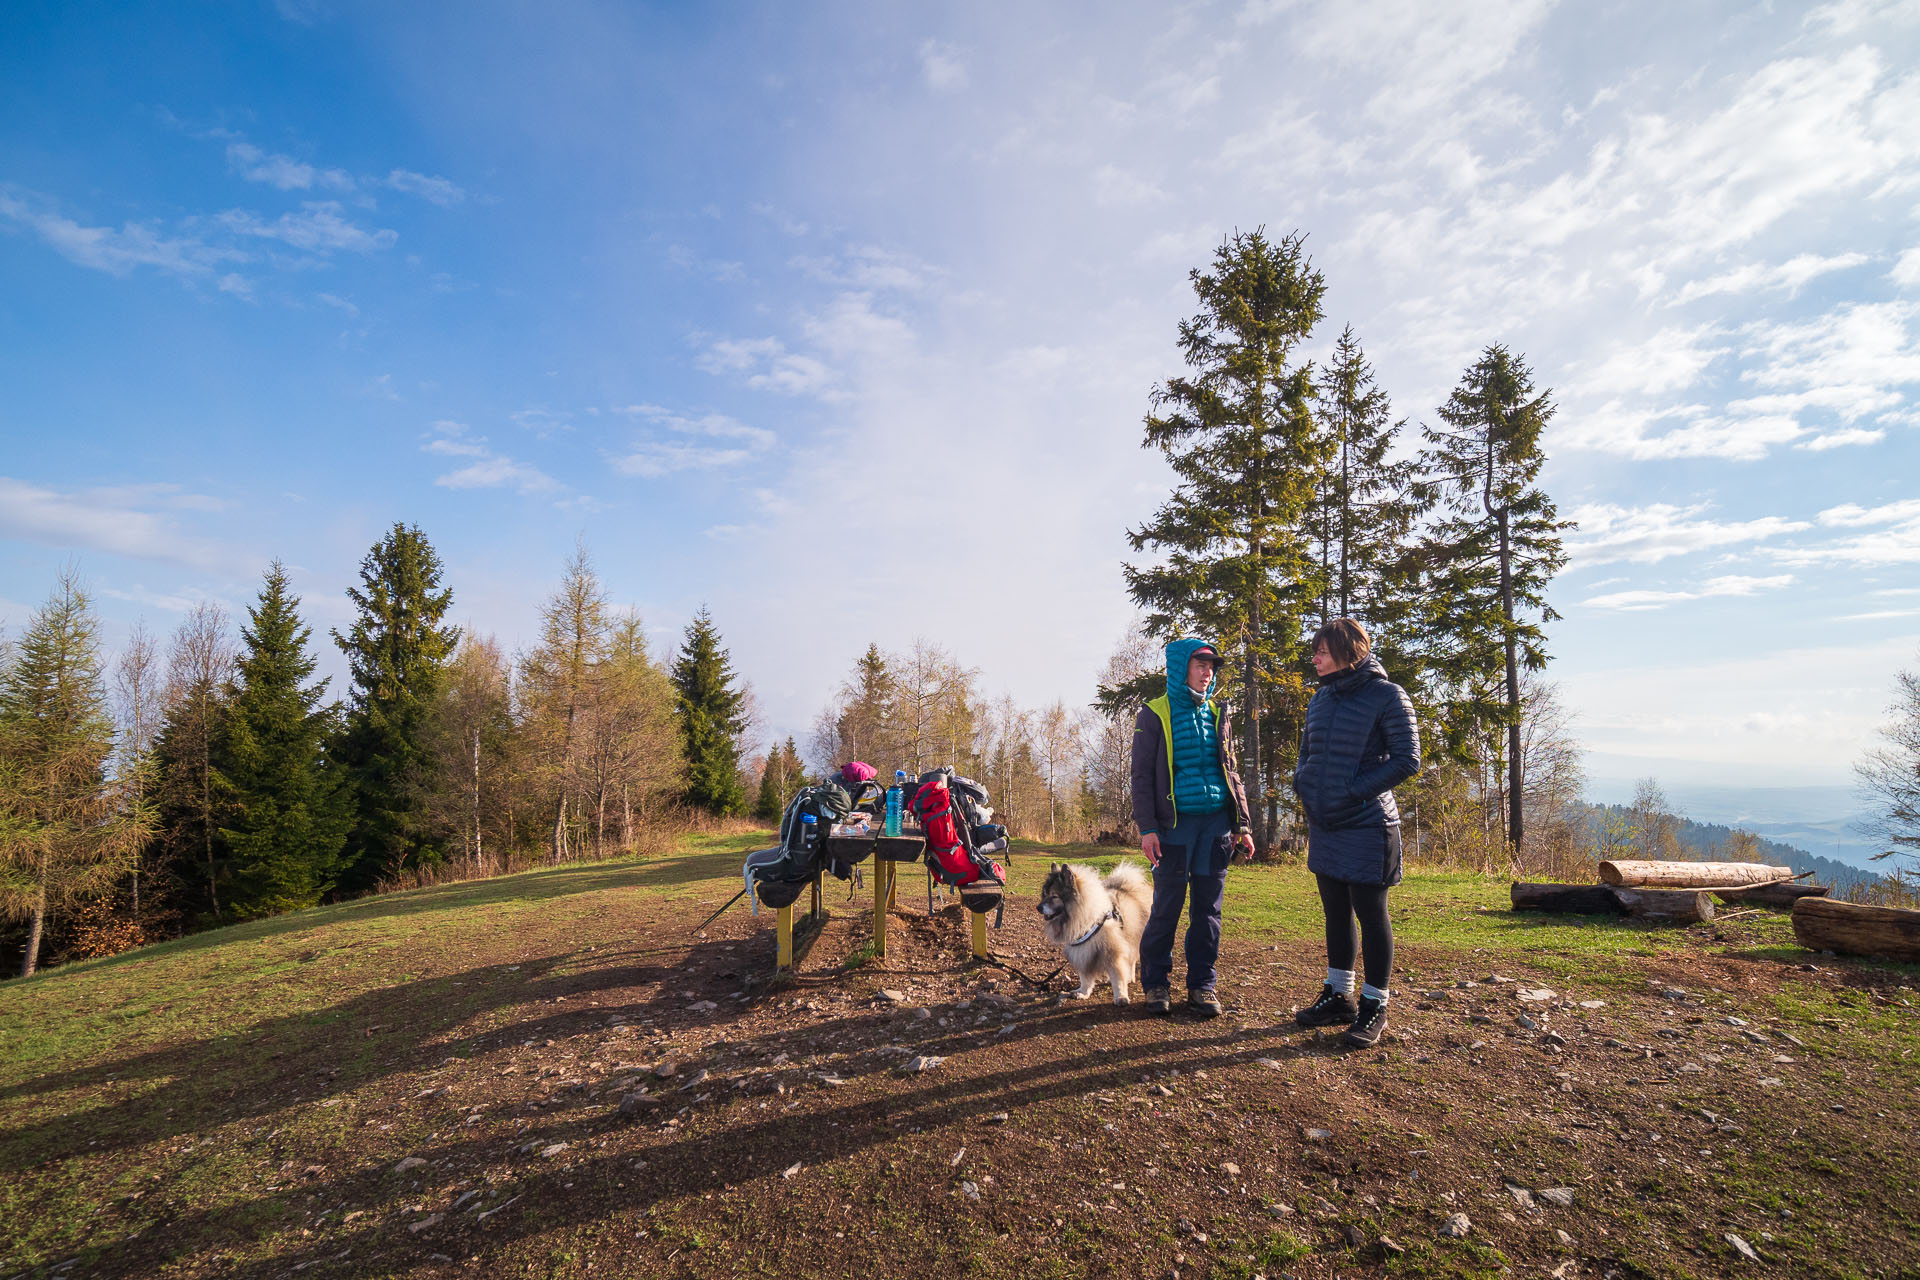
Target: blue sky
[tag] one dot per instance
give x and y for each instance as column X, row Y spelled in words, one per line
column 709, row 287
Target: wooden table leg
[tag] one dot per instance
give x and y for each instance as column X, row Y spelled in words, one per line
column 893, row 886
column 783, row 941
column 882, row 875
column 979, row 934
column 818, row 910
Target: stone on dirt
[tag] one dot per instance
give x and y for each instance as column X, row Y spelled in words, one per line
column 433, row 1219
column 923, row 1062
column 790, row 1170
column 892, row 996
column 1229, row 1168
column 1317, row 1135
column 1456, row 1226
column 1742, row 1248
column 550, row 1151
column 410, row 1162
column 1561, row 1197
column 1533, row 995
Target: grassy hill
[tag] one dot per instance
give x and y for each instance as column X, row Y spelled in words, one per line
column 432, row 1084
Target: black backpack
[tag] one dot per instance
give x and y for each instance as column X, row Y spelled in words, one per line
column 779, row 875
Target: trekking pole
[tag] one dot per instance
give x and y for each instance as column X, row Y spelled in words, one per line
column 716, row 915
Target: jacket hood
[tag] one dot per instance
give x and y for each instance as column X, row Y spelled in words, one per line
column 1365, row 671
column 1179, row 654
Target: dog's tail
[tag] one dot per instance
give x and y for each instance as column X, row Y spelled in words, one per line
column 1127, row 878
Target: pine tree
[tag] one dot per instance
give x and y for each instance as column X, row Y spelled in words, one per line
column 1363, row 515
column 768, row 806
column 189, row 785
column 397, row 655
column 1488, row 557
column 866, row 729
column 1240, row 435
column 286, row 826
column 1890, row 777
column 64, row 831
column 711, row 719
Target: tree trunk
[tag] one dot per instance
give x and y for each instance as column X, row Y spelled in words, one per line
column 1680, row 905
column 479, row 853
column 560, row 828
column 1887, row 933
column 31, row 960
column 1256, row 807
column 1690, row 875
column 1772, row 895
column 626, row 818
column 1514, row 798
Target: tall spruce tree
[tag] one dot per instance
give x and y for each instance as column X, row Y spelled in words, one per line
column 64, row 832
column 1363, row 517
column 1239, row 432
column 1489, row 555
column 767, row 806
column 286, row 823
column 711, row 718
column 397, row 656
column 191, row 790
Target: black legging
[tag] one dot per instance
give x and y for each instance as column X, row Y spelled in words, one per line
column 1343, row 902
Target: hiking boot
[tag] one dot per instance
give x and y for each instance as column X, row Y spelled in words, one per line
column 1368, row 1024
column 1159, row 1000
column 1203, row 1002
column 1330, row 1010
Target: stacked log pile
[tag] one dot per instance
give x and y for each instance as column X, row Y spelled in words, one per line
column 1672, row 892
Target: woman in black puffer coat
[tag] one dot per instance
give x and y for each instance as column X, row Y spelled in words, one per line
column 1361, row 741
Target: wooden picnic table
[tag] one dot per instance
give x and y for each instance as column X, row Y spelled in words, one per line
column 886, row 853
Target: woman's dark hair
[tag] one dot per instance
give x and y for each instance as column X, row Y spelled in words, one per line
column 1346, row 641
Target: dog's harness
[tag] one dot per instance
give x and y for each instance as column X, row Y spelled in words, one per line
column 1113, row 914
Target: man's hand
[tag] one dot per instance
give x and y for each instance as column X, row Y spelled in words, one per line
column 1150, row 845
column 1244, row 843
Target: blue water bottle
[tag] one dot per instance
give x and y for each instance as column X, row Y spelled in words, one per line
column 896, row 800
column 809, row 833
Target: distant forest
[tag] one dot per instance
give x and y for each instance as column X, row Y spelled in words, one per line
column 1710, row 842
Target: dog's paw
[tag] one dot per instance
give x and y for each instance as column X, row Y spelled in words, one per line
column 1081, row 995
column 1122, row 998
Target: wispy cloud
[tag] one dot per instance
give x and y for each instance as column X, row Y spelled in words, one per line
column 488, row 470
column 116, row 252
column 706, row 443
column 1610, row 534
column 141, row 521
column 1731, row 585
column 283, row 172
column 767, row 364
column 317, row 228
column 1894, row 537
column 942, row 66
column 1791, row 276
column 436, row 190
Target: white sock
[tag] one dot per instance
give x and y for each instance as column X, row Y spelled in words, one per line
column 1341, row 980
column 1372, row 992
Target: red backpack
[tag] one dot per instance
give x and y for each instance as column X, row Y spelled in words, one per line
column 950, row 851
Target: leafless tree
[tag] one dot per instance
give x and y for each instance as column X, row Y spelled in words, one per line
column 139, row 699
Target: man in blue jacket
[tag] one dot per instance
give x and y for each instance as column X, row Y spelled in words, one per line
column 1191, row 810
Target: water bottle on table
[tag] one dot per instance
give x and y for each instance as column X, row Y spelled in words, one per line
column 896, row 801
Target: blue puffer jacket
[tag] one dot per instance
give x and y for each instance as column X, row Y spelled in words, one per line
column 1361, row 742
column 1199, row 784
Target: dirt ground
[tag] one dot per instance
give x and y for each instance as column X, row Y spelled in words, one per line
column 621, row 1098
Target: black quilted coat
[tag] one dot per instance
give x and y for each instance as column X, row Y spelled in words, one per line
column 1361, row 742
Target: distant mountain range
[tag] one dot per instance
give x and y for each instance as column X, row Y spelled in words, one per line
column 1703, row 840
column 1823, row 821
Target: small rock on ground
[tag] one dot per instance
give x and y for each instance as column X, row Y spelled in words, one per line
column 1456, row 1226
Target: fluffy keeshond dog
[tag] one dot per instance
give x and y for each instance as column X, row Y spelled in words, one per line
column 1097, row 923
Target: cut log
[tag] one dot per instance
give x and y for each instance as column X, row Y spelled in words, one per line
column 1683, row 906
column 1890, row 933
column 1574, row 899
column 1691, row 875
column 1782, row 896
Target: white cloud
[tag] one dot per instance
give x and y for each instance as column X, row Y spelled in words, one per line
column 437, row 190
column 656, row 456
column 1614, row 428
column 489, row 470
column 1671, row 360
column 1116, row 187
column 1907, row 270
column 128, row 520
column 317, row 228
column 942, row 66
column 1792, row 276
column 115, row 252
column 1609, row 534
column 768, row 364
column 282, row 172
column 1894, row 540
column 1854, row 359
column 1730, row 585
column 1841, row 439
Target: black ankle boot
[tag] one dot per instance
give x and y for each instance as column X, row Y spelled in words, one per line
column 1330, row 1010
column 1368, row 1023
